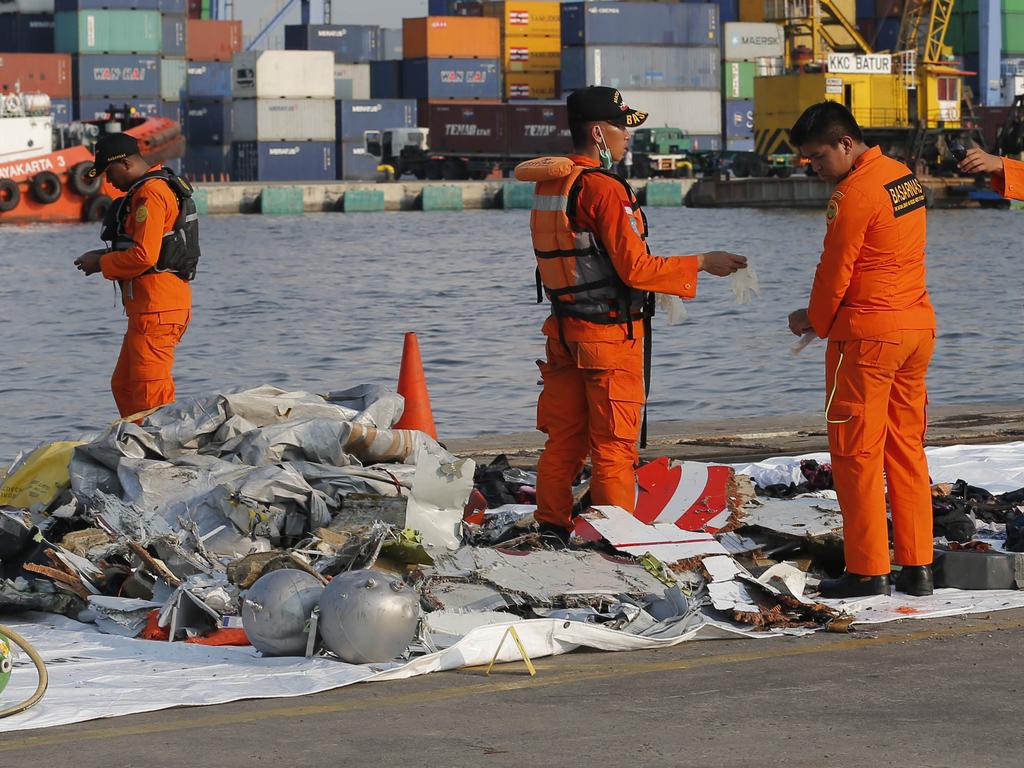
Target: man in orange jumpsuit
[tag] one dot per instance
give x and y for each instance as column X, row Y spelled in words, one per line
column 596, row 269
column 1007, row 174
column 158, row 302
column 870, row 301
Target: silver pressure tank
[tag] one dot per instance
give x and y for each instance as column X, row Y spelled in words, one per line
column 368, row 616
column 277, row 607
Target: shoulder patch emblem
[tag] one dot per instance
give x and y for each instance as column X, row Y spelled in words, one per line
column 833, row 207
column 140, row 214
column 906, row 194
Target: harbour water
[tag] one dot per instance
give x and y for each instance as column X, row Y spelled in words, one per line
column 321, row 302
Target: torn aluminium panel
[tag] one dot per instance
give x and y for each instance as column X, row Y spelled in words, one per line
column 688, row 494
column 665, row 541
column 802, row 517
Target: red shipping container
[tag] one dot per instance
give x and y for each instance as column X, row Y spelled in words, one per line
column 48, row 73
column 209, row 40
column 195, row 9
column 469, row 127
column 888, row 8
column 538, row 129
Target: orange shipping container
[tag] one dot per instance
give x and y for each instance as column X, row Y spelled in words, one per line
column 751, row 10
column 527, row 17
column 532, row 85
column 48, row 73
column 532, row 54
column 209, row 40
column 441, row 37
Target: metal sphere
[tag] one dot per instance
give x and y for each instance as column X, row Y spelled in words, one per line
column 276, row 608
column 368, row 616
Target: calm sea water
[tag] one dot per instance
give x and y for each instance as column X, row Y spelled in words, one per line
column 322, row 301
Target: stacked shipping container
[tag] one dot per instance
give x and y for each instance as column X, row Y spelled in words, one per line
column 451, row 58
column 531, row 47
column 206, row 118
column 750, row 49
column 968, row 39
column 664, row 58
column 26, row 26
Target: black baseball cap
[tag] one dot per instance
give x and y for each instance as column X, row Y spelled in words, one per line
column 111, row 147
column 599, row 103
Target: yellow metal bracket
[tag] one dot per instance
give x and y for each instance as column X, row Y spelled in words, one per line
column 511, row 630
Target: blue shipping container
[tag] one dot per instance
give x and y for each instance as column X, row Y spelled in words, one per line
column 886, row 34
column 451, row 79
column 283, row 160
column 351, row 43
column 207, row 121
column 386, row 79
column 354, row 163
column 62, row 111
column 354, row 117
column 639, row 24
column 26, row 32
column 94, row 109
column 176, row 7
column 728, row 10
column 703, row 143
column 455, row 8
column 170, row 109
column 174, row 35
column 116, row 5
column 207, row 162
column 390, row 43
column 865, row 9
column 739, row 145
column 209, row 79
column 118, row 77
column 642, row 67
column 739, row 119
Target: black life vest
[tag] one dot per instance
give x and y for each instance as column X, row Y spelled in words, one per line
column 179, row 251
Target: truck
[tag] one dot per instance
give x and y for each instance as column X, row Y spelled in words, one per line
column 661, row 152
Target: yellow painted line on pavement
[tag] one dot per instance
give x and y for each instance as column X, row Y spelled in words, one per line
column 107, row 729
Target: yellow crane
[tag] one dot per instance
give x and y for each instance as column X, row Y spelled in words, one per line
column 907, row 100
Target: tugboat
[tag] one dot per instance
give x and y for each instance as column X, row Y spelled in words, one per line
column 43, row 166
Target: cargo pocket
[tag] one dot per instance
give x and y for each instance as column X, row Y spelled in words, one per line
column 542, row 399
column 617, row 413
column 845, row 428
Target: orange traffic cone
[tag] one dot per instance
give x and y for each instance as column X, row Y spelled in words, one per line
column 412, row 385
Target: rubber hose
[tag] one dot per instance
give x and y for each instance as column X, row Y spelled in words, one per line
column 44, row 678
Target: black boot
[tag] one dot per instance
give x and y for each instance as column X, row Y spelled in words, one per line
column 554, row 536
column 852, row 585
column 915, row 580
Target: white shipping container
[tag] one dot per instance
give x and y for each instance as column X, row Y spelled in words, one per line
column 692, row 111
column 351, row 81
column 26, row 6
column 748, row 41
column 282, row 120
column 283, row 74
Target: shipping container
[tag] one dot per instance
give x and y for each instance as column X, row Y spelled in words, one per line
column 738, row 79
column 746, row 42
column 97, row 5
column 706, row 143
column 450, row 36
column 538, row 129
column 213, row 40
column 172, row 110
column 865, row 10
column 654, row 67
column 887, row 8
column 48, row 73
column 283, row 161
column 739, row 119
column 116, row 76
column 451, row 79
column 209, row 79
column 534, row 18
column 697, row 112
column 207, row 121
column 282, row 120
column 354, row 164
column 466, row 128
column 739, row 145
column 386, row 80
column 455, row 8
column 887, row 32
column 753, row 10
column 26, row 6
column 174, row 7
column 207, row 162
column 351, row 43
column 352, row 81
column 639, row 24
column 63, row 111
column 100, row 108
column 390, row 44
column 109, row 32
column 26, row 33
column 173, row 79
column 353, row 118
column 283, row 74
column 174, row 30
column 532, row 85
column 532, row 54
column 728, row 10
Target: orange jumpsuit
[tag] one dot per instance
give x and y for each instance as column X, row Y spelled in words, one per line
column 158, row 304
column 593, row 391
column 869, row 299
column 1011, row 185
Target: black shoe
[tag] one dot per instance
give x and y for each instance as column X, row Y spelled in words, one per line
column 852, row 585
column 914, row 580
column 554, row 536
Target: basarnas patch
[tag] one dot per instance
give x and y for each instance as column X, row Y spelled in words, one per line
column 833, row 207
column 906, row 194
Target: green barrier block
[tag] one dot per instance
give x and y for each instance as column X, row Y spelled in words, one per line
column 442, row 197
column 362, row 200
column 663, row 193
column 516, row 194
column 201, row 197
column 277, row 201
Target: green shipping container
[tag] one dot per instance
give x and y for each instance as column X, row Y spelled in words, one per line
column 1013, row 33
column 108, row 32
column 962, row 33
column 738, row 80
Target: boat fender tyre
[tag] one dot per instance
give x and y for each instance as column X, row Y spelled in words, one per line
column 46, row 187
column 81, row 183
column 95, row 208
column 10, row 195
